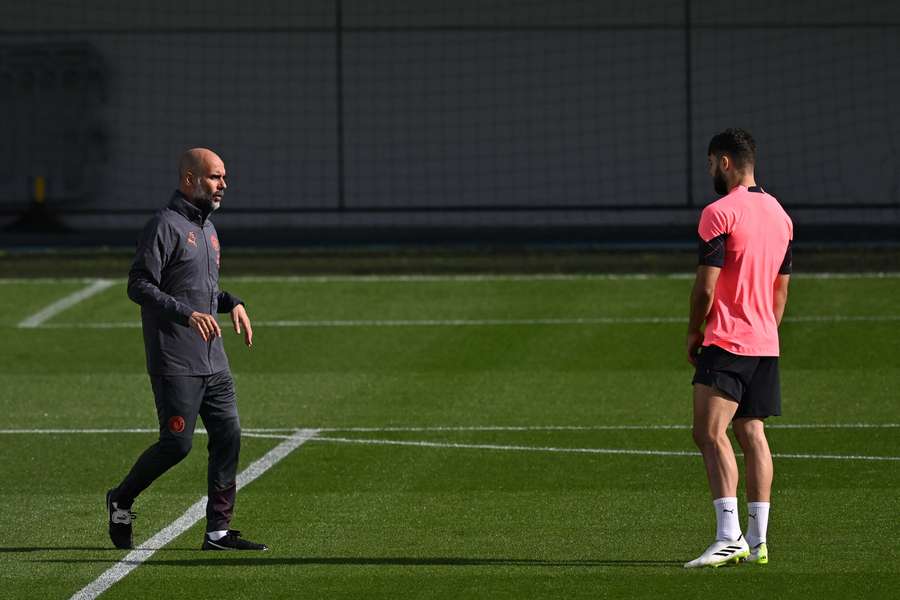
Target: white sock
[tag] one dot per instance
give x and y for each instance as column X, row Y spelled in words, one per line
column 727, row 525
column 757, row 522
column 216, row 535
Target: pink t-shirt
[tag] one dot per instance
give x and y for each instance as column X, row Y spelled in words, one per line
column 756, row 233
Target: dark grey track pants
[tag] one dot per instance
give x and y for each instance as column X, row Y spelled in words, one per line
column 179, row 401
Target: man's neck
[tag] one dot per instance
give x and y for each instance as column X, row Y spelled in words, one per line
column 204, row 212
column 746, row 180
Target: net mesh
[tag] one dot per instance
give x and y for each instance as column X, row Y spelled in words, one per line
column 511, row 112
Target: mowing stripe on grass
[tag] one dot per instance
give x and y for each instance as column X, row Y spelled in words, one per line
column 445, row 428
column 194, row 514
column 486, row 322
column 387, row 278
column 51, row 310
column 461, row 428
column 475, row 277
column 516, row 448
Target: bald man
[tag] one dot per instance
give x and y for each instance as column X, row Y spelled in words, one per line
column 175, row 280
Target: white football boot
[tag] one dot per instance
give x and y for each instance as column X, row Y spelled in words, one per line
column 759, row 555
column 721, row 552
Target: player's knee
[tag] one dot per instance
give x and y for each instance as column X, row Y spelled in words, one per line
column 750, row 435
column 753, row 440
column 176, row 448
column 226, row 434
column 704, row 437
column 231, row 431
column 701, row 437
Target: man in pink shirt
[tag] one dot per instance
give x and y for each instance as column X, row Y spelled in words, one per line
column 740, row 293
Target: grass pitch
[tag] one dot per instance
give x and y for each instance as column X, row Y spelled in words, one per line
column 485, row 437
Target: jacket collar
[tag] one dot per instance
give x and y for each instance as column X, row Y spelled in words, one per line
column 180, row 204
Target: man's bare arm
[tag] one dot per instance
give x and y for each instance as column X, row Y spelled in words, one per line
column 701, row 303
column 781, row 295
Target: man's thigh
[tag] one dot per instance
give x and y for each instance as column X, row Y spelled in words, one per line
column 713, row 410
column 219, row 401
column 178, row 401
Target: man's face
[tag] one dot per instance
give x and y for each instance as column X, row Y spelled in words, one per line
column 714, row 165
column 209, row 185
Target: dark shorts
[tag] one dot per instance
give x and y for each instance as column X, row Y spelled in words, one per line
column 751, row 381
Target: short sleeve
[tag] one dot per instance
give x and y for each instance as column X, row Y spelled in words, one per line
column 714, row 222
column 787, row 265
column 712, row 253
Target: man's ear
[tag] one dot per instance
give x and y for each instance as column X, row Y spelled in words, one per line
column 725, row 162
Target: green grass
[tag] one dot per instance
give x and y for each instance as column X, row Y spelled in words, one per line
column 388, row 521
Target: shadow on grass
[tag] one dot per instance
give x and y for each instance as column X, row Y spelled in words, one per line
column 402, row 561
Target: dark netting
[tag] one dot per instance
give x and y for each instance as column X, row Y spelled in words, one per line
column 411, row 112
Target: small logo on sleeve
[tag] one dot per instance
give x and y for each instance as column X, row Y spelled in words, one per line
column 192, row 239
column 176, row 424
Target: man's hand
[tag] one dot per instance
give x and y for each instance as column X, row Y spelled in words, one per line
column 242, row 321
column 694, row 341
column 206, row 325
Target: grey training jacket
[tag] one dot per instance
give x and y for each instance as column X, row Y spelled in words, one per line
column 176, row 272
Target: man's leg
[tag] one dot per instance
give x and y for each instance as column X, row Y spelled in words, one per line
column 220, row 416
column 177, row 406
column 762, row 399
column 712, row 414
column 177, row 402
column 751, row 435
column 219, row 413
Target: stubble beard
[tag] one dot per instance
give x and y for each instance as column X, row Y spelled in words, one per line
column 719, row 183
column 205, row 200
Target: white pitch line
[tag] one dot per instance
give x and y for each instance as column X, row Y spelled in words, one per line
column 196, row 512
column 836, row 457
column 51, row 310
column 264, row 436
column 48, row 280
column 256, row 431
column 620, row 451
column 464, row 428
column 513, row 448
column 107, row 325
column 79, row 431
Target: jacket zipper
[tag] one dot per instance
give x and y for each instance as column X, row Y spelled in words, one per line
column 209, row 292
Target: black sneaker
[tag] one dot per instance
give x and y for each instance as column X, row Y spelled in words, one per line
column 231, row 541
column 120, row 520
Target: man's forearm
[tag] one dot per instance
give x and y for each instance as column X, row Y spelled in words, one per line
column 227, row 302
column 146, row 293
column 780, row 303
column 701, row 303
column 780, row 296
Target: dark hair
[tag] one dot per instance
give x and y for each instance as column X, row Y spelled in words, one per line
column 736, row 143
